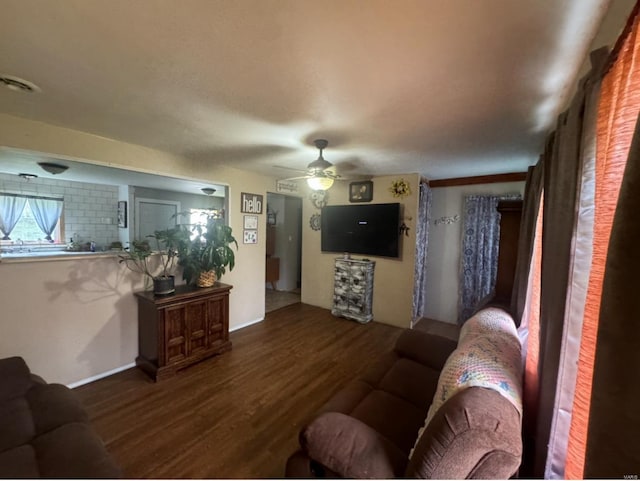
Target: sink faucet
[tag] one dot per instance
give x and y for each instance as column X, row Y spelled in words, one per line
column 21, row 247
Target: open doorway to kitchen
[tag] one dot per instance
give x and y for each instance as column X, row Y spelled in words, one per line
column 283, row 252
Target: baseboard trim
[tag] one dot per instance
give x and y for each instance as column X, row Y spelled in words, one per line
column 246, row 324
column 133, row 364
column 100, row 376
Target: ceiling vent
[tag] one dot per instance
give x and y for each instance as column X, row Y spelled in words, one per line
column 17, row 84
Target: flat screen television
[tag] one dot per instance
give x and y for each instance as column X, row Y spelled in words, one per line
column 371, row 229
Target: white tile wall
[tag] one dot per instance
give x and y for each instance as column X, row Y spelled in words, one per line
column 90, row 210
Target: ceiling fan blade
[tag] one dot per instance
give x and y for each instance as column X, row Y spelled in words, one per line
column 289, row 168
column 296, row 178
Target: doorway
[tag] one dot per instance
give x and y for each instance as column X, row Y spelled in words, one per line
column 283, row 274
column 154, row 214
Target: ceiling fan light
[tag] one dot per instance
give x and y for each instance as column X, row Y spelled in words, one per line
column 320, row 183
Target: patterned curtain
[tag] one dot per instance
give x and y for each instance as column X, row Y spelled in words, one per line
column 422, row 242
column 480, row 244
column 479, row 259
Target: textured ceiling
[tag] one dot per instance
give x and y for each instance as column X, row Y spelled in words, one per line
column 444, row 88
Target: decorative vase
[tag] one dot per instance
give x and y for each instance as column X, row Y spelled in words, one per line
column 206, row 279
column 163, row 286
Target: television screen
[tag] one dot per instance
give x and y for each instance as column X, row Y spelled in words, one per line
column 371, row 229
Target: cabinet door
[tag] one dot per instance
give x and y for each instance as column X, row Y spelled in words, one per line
column 175, row 325
column 218, row 315
column 197, row 332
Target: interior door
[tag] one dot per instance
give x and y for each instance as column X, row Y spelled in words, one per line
column 153, row 215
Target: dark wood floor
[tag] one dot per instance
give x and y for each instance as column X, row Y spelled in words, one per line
column 236, row 415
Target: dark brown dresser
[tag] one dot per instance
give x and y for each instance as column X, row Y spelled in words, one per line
column 178, row 330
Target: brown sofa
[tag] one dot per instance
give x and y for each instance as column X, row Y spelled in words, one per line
column 369, row 428
column 44, row 431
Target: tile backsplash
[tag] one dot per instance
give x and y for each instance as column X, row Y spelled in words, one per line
column 90, row 210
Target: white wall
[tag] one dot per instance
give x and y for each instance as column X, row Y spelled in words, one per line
column 445, row 241
column 73, row 320
column 69, row 319
column 393, row 278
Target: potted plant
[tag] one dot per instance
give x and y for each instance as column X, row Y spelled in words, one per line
column 206, row 257
column 138, row 256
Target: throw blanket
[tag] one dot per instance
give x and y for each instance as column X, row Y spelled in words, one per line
column 488, row 356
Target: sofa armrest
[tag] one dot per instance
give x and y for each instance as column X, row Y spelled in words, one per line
column 427, row 349
column 350, row 448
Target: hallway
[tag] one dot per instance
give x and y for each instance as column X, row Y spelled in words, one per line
column 276, row 299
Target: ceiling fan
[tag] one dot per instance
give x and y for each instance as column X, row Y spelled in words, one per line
column 320, row 175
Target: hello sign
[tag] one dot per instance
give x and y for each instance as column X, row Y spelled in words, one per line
column 250, row 203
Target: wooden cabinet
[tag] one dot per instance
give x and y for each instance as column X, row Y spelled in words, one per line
column 178, row 330
column 510, row 213
column 353, row 289
column 272, row 271
column 272, row 268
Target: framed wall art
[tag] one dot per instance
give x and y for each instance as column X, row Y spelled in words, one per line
column 250, row 221
column 250, row 203
column 361, row 191
column 250, row 236
column 122, row 213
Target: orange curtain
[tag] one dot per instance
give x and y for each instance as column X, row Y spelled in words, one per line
column 531, row 323
column 532, row 312
column 617, row 112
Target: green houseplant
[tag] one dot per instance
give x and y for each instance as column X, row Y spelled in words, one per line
column 137, row 258
column 205, row 255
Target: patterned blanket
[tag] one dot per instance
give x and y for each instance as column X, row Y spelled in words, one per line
column 488, row 356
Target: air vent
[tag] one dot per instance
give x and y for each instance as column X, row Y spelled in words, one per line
column 17, row 84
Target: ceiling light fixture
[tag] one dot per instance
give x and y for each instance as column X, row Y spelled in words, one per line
column 17, row 84
column 208, row 190
column 53, row 168
column 27, row 176
column 320, row 183
column 321, row 178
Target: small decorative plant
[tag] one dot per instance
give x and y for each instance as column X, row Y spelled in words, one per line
column 137, row 257
column 206, row 257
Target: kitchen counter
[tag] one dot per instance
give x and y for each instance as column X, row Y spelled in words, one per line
column 52, row 255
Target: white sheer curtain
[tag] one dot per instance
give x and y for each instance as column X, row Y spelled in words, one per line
column 46, row 213
column 11, row 208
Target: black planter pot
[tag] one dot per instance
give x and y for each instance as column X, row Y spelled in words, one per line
column 163, row 286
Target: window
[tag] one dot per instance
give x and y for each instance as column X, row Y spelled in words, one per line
column 27, row 229
column 199, row 217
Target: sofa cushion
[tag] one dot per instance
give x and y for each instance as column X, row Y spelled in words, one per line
column 17, row 423
column 350, row 448
column 53, row 405
column 73, row 451
column 394, row 418
column 428, row 349
column 375, row 373
column 15, row 378
column 411, row 381
column 475, row 434
column 44, row 430
column 346, row 400
column 19, row 462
